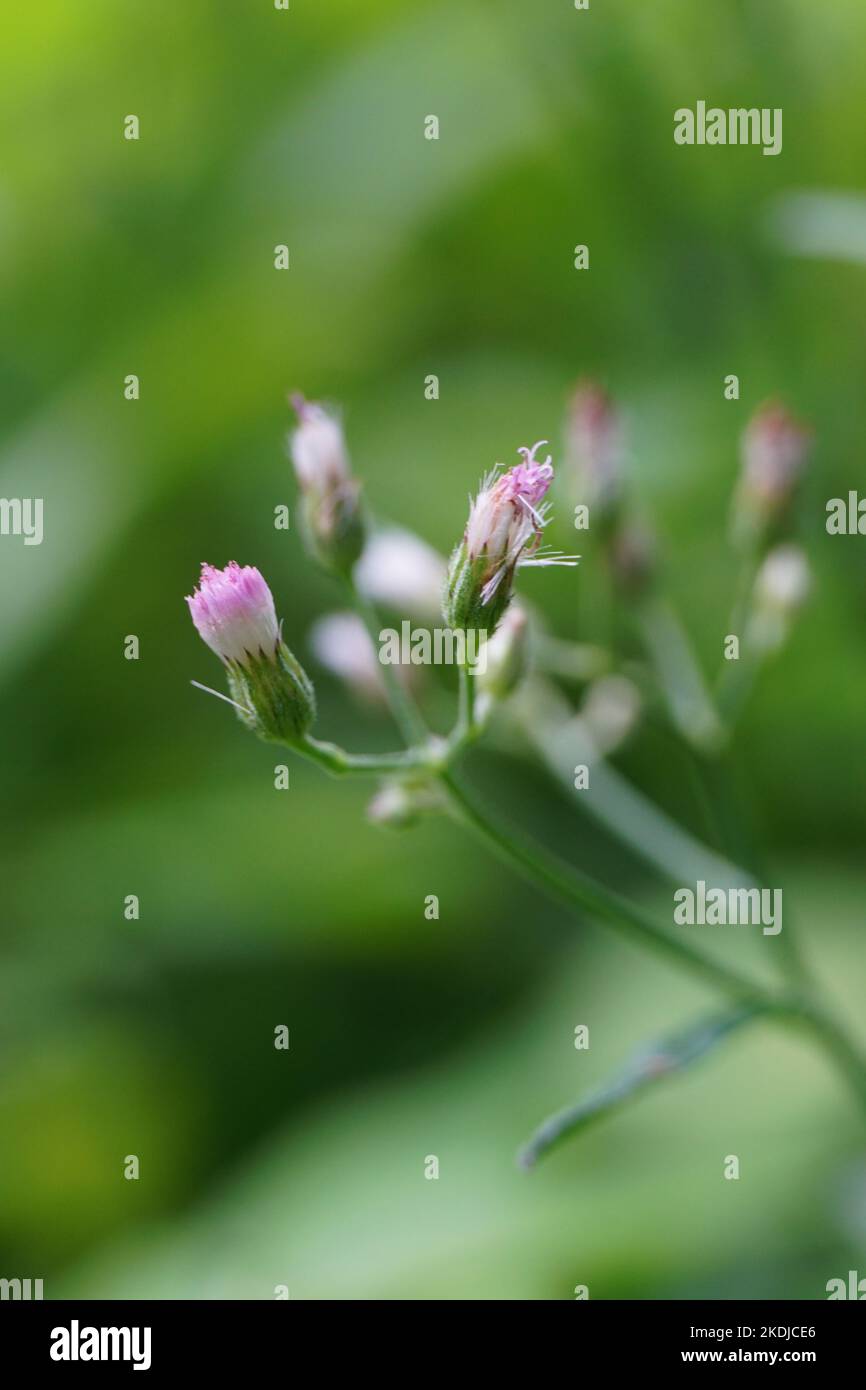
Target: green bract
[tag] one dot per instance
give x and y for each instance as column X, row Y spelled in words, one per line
column 275, row 697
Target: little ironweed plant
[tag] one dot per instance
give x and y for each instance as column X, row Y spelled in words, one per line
column 525, row 678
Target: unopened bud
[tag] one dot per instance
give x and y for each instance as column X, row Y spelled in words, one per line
column 233, row 612
column 402, row 572
column 775, row 448
column 782, row 586
column 344, row 647
column 332, row 513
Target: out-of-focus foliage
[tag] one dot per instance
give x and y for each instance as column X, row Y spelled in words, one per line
column 259, row 907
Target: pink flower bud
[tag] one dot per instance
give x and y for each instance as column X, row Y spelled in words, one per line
column 774, row 451
column 504, row 530
column 233, row 611
column 504, row 517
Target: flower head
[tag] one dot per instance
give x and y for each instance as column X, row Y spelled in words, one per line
column 505, row 515
column 233, row 612
column 504, row 529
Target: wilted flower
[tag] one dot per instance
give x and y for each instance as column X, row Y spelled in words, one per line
column 233, row 612
column 504, row 529
column 782, row 586
column 331, row 496
column 402, row 572
column 774, row 451
column 594, row 448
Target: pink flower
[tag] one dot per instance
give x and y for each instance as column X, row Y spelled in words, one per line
column 504, row 529
column 233, row 611
column 507, row 518
column 775, row 447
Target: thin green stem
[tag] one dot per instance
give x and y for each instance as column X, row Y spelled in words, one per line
column 679, row 674
column 735, row 686
column 582, row 892
column 546, row 870
column 466, row 716
column 342, row 764
column 739, row 840
column 550, row 726
column 652, row 1064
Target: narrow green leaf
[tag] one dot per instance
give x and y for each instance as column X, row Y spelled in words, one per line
column 651, row 1064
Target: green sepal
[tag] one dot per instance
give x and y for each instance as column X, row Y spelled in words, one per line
column 462, row 606
column 275, row 695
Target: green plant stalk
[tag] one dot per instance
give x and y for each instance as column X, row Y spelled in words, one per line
column 705, row 722
column 652, row 1065
column 716, row 774
column 342, row 764
column 690, row 705
column 620, row 807
column 580, row 891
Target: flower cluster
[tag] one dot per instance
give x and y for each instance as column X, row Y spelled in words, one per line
column 233, row 609
column 234, row 612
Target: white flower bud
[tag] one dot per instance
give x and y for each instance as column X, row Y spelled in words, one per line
column 782, row 586
column 402, row 572
column 318, row 448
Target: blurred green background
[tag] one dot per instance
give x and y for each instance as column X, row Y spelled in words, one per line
column 260, row 907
